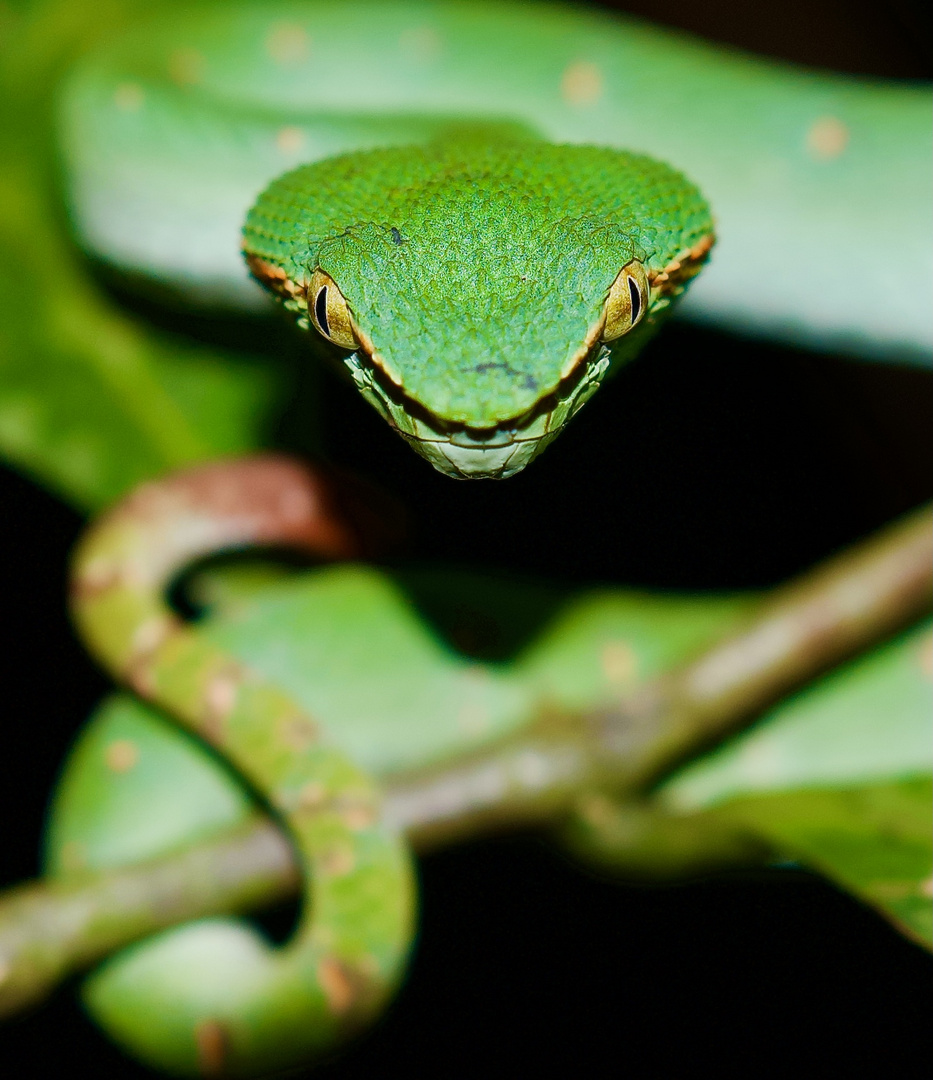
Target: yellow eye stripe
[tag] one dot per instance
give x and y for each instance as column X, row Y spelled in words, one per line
column 625, row 306
column 627, row 301
column 329, row 311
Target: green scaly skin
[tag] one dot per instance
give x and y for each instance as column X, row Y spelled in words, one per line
column 210, row 997
column 168, row 137
column 477, row 272
column 235, row 1007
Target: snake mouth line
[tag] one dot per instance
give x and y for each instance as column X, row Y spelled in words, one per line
column 465, row 451
column 503, row 432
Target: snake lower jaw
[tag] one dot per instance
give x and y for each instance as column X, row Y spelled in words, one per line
column 492, row 460
column 464, row 452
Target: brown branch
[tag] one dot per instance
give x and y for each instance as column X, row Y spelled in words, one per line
column 50, row 929
column 800, row 630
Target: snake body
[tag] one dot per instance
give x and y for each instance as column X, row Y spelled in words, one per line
column 474, row 321
column 347, row 953
column 557, row 263
column 487, row 226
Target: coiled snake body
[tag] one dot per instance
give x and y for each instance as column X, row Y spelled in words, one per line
column 496, row 214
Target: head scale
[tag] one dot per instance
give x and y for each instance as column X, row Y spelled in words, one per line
column 482, row 295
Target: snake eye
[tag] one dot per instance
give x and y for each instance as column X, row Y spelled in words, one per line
column 330, row 312
column 627, row 301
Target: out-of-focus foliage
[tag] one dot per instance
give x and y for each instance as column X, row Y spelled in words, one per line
column 865, row 722
column 873, row 840
column 819, row 779
column 91, row 400
column 839, row 777
column 90, row 404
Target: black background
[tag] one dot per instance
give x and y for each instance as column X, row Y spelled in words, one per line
column 730, row 464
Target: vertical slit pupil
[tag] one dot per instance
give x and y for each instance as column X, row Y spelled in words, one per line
column 635, row 294
column 320, row 310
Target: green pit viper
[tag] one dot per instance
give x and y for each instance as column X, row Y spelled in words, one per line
column 484, row 208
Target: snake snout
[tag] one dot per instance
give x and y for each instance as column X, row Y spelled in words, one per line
column 481, row 455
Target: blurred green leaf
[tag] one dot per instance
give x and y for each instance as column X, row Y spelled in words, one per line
column 91, row 403
column 874, row 841
column 602, row 643
column 394, row 697
column 91, row 400
column 868, row 721
column 839, row 777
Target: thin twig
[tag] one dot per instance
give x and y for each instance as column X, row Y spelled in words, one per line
column 50, row 929
column 801, row 629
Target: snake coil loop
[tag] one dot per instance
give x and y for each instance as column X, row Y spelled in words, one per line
column 217, row 999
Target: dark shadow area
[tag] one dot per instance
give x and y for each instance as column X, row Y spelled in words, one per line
column 527, row 966
column 731, row 465
column 711, row 463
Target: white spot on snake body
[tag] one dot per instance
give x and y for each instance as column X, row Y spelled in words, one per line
column 295, row 505
column 312, row 795
column 827, row 138
column 421, row 44
column 751, row 653
column 761, row 761
column 150, row 634
column 337, row 861
column 581, row 84
column 129, row 97
column 210, row 1038
column 220, row 696
column 186, row 67
column 289, row 139
column 288, row 44
column 532, row 770
column 618, row 661
column 336, row 984
column 121, row 755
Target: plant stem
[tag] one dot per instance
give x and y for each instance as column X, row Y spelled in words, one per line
column 50, row 929
column 800, row 630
